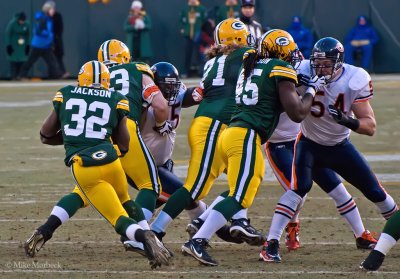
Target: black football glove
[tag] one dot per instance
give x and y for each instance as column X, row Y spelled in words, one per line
column 164, row 129
column 343, row 119
column 10, row 50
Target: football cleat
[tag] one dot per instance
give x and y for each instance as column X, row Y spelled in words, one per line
column 292, row 241
column 373, row 262
column 155, row 250
column 270, row 252
column 133, row 246
column 35, row 243
column 197, row 248
column 242, row 229
column 366, row 241
column 193, row 227
column 223, row 233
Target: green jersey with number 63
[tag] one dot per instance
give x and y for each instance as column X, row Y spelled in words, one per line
column 127, row 79
column 257, row 97
column 218, row 83
column 88, row 116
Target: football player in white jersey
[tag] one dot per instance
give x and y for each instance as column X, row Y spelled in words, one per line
column 341, row 104
column 279, row 151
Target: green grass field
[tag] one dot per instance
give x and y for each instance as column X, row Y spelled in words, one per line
column 33, row 178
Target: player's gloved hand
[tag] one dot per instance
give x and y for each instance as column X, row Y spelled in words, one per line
column 314, row 84
column 197, row 94
column 343, row 119
column 163, row 128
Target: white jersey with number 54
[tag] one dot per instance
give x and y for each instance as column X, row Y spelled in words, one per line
column 161, row 147
column 352, row 86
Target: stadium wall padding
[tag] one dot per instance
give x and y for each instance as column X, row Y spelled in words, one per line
column 86, row 26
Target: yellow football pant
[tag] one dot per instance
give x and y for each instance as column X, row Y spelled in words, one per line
column 104, row 187
column 138, row 163
column 241, row 152
column 205, row 164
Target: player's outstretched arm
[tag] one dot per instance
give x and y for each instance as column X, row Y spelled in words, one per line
column 154, row 98
column 50, row 132
column 296, row 108
column 193, row 96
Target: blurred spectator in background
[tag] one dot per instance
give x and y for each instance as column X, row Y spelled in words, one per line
column 137, row 27
column 360, row 40
column 247, row 12
column 42, row 42
column 302, row 36
column 58, row 29
column 17, row 43
column 206, row 41
column 231, row 9
column 193, row 17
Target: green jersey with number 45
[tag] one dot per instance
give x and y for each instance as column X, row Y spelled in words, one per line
column 219, row 83
column 88, row 116
column 127, row 79
column 257, row 97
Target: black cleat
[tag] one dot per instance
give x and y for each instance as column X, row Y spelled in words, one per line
column 242, row 229
column 155, row 250
column 225, row 234
column 193, row 227
column 35, row 243
column 197, row 248
column 270, row 252
column 373, row 262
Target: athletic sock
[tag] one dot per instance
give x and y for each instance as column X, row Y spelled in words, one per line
column 147, row 198
column 295, row 217
column 385, row 243
column 387, row 207
column 197, row 211
column 205, row 214
column 213, row 223
column 161, row 222
column 242, row 214
column 134, row 210
column 71, row 204
column 347, row 207
column 144, row 224
column 284, row 211
column 392, row 226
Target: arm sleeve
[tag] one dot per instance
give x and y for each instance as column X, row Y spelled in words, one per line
column 283, row 71
column 57, row 101
column 122, row 107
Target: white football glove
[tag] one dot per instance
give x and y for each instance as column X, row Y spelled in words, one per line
column 163, row 128
column 314, row 84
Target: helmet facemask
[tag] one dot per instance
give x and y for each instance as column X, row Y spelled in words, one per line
column 317, row 69
column 170, row 89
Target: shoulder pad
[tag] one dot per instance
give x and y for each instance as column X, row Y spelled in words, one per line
column 144, row 68
column 359, row 78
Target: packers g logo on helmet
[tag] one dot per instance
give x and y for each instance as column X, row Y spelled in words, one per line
column 277, row 43
column 113, row 52
column 94, row 74
column 231, row 31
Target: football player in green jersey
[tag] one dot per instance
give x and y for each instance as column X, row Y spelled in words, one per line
column 265, row 88
column 135, row 81
column 85, row 119
column 212, row 116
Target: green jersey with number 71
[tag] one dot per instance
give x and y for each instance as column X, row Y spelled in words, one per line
column 257, row 97
column 218, row 84
column 88, row 116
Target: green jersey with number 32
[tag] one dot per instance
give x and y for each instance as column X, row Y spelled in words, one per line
column 218, row 83
column 257, row 97
column 87, row 117
column 127, row 79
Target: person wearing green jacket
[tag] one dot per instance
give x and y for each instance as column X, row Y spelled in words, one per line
column 17, row 43
column 137, row 27
column 231, row 9
column 192, row 18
